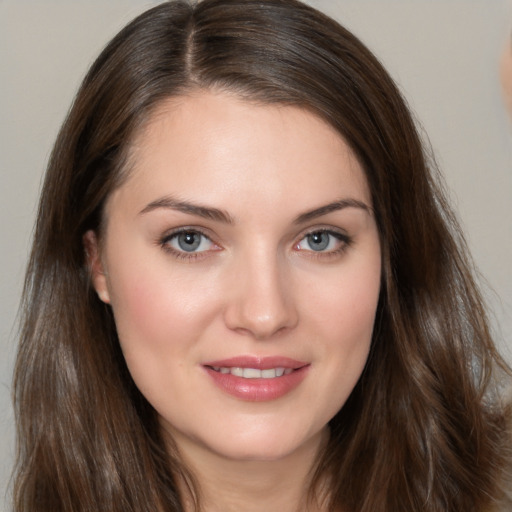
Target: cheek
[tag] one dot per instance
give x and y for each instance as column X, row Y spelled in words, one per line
column 343, row 317
column 356, row 305
column 351, row 325
column 343, row 312
column 347, row 302
column 159, row 314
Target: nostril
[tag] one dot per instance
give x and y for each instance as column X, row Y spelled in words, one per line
column 243, row 318
column 261, row 301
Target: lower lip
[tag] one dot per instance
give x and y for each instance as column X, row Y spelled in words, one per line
column 258, row 390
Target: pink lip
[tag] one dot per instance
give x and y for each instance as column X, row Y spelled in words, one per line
column 257, row 390
column 260, row 363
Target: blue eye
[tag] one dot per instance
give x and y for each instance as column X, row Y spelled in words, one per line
column 323, row 241
column 189, row 242
column 319, row 241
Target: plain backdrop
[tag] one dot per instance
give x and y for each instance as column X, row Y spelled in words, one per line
column 443, row 53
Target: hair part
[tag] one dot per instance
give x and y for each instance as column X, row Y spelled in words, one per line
column 422, row 430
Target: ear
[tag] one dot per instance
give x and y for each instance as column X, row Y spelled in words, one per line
column 96, row 269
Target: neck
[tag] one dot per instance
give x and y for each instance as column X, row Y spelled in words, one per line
column 227, row 485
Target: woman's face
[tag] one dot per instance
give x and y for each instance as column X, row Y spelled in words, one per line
column 242, row 262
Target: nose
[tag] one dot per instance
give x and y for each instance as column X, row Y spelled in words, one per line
column 262, row 302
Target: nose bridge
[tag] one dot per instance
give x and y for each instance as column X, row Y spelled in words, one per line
column 262, row 303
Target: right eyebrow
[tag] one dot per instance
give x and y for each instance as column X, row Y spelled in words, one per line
column 205, row 212
column 332, row 207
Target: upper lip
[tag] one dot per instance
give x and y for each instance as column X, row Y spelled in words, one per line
column 259, row 363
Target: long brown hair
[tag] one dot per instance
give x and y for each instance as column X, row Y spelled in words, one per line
column 424, row 429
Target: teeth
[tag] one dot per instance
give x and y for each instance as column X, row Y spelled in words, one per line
column 254, row 373
column 251, row 373
column 237, row 372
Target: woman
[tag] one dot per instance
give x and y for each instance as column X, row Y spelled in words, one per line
column 246, row 290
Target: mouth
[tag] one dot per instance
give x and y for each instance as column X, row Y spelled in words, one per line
column 252, row 373
column 257, row 379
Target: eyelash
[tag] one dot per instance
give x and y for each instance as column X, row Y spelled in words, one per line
column 164, row 243
column 344, row 240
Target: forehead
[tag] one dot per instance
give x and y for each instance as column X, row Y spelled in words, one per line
column 217, row 146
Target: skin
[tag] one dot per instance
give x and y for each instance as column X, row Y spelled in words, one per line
column 506, row 75
column 256, row 285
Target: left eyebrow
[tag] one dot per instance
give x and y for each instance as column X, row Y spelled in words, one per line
column 332, row 207
column 190, row 208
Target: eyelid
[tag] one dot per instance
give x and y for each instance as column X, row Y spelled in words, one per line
column 167, row 235
column 340, row 234
column 163, row 242
column 345, row 241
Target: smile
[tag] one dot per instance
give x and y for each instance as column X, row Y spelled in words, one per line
column 257, row 379
column 253, row 373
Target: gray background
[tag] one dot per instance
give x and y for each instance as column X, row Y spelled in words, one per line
column 443, row 53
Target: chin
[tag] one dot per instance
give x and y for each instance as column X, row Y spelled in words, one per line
column 265, row 446
column 255, row 453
